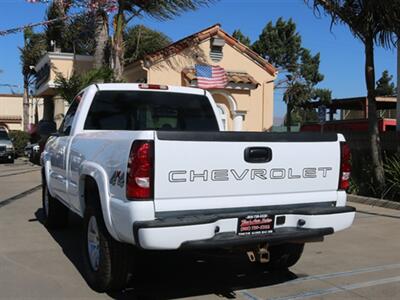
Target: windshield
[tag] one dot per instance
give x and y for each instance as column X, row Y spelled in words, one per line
column 137, row 110
column 4, row 135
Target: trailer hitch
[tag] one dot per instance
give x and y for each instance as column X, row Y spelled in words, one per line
column 261, row 254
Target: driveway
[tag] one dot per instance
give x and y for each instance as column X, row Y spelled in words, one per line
column 360, row 263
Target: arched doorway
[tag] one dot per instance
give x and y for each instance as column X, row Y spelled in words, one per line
column 223, row 115
column 234, row 119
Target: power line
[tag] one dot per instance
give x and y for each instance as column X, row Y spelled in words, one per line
column 108, row 6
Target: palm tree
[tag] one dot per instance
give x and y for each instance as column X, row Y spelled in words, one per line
column 372, row 22
column 129, row 9
column 101, row 36
column 69, row 86
column 34, row 46
column 56, row 30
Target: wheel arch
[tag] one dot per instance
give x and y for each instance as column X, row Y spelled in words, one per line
column 92, row 176
column 46, row 171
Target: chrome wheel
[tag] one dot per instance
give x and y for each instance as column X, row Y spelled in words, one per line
column 93, row 243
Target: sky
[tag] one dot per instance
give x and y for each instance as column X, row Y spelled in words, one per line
column 342, row 56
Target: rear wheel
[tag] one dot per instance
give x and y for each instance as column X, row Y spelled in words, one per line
column 284, row 256
column 106, row 261
column 55, row 213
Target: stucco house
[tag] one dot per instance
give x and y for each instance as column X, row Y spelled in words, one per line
column 11, row 111
column 47, row 69
column 246, row 103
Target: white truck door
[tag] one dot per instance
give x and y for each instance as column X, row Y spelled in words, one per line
column 60, row 155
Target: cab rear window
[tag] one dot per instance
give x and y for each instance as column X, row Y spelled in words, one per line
column 147, row 110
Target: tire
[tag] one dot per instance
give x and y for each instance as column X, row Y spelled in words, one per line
column 108, row 269
column 55, row 213
column 284, row 256
column 13, row 157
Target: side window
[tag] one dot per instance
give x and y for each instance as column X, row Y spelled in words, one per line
column 65, row 127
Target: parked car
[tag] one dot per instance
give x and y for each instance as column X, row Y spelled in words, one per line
column 32, row 151
column 148, row 166
column 7, row 151
column 28, row 150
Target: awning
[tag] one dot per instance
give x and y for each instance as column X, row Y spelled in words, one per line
column 236, row 80
column 356, row 103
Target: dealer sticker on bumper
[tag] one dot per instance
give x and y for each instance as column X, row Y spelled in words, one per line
column 255, row 225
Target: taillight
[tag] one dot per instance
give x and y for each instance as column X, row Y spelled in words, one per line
column 139, row 183
column 345, row 166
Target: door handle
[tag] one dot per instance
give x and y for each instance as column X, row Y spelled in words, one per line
column 258, row 154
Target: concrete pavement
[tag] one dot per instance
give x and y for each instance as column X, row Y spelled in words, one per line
column 360, row 263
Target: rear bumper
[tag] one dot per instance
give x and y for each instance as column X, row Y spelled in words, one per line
column 219, row 230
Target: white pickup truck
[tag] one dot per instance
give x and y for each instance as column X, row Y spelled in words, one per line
column 148, row 165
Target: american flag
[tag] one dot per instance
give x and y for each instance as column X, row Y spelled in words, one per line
column 211, row 77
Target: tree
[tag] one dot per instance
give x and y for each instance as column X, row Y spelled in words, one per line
column 79, row 33
column 280, row 44
column 245, row 40
column 302, row 115
column 372, row 22
column 70, row 34
column 55, row 31
column 129, row 9
column 101, row 37
column 34, row 47
column 69, row 87
column 141, row 40
column 298, row 68
column 384, row 86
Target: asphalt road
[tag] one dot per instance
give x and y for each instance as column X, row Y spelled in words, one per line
column 360, row 263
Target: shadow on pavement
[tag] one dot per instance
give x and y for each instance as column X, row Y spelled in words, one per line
column 173, row 274
column 68, row 239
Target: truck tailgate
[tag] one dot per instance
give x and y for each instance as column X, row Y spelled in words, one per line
column 200, row 170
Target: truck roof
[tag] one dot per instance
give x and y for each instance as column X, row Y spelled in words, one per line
column 150, row 86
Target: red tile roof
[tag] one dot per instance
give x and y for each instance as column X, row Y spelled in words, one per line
column 200, row 36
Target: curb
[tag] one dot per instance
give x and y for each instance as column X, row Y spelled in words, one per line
column 373, row 201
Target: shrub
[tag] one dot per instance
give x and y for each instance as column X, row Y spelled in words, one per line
column 20, row 139
column 361, row 182
column 392, row 172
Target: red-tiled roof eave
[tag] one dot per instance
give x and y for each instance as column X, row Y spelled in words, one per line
column 207, row 33
column 182, row 44
column 233, row 77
